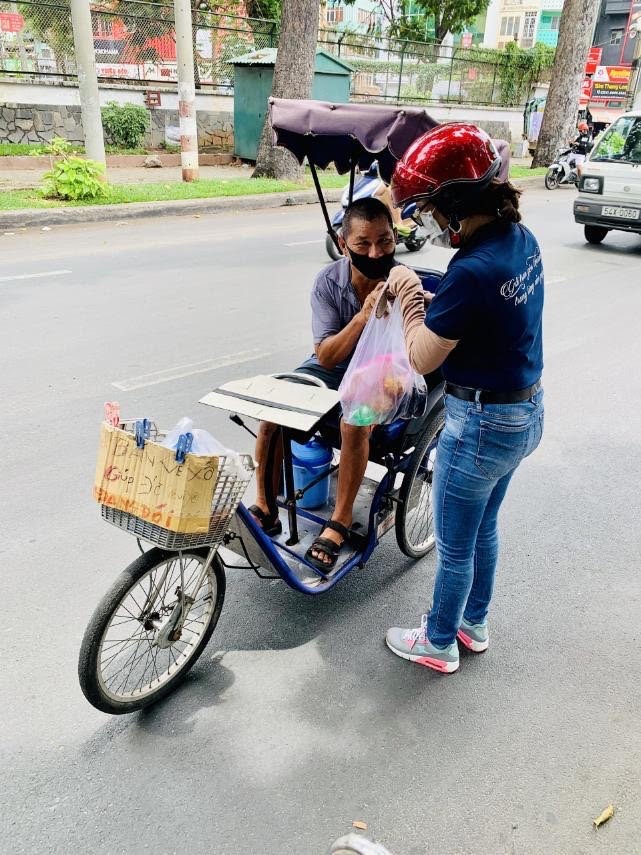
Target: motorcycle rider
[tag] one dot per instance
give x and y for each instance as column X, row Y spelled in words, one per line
column 580, row 144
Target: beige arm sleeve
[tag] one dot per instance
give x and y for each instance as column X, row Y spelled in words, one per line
column 426, row 350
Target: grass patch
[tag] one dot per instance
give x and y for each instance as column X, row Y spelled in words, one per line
column 128, row 193
column 526, row 172
column 210, row 189
column 18, row 149
column 10, row 149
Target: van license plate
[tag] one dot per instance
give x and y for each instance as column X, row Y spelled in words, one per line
column 622, row 213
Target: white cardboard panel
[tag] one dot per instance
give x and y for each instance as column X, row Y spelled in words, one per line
column 269, row 394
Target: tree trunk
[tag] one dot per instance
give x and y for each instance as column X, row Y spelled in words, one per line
column 293, row 78
column 562, row 104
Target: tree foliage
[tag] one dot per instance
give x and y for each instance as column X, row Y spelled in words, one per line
column 269, row 9
column 413, row 19
column 52, row 25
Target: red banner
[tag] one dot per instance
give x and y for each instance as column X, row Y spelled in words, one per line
column 593, row 60
column 586, row 91
column 11, row 22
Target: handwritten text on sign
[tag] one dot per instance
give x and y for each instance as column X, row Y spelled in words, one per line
column 150, row 484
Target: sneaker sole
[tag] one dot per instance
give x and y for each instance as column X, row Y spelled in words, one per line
column 471, row 644
column 435, row 664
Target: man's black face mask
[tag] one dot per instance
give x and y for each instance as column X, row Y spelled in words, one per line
column 372, row 268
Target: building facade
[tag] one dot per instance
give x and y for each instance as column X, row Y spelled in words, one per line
column 525, row 22
column 611, row 33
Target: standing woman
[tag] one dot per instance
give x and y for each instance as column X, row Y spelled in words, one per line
column 484, row 327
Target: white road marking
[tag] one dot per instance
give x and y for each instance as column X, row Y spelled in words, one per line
column 180, row 371
column 34, row 275
column 303, row 242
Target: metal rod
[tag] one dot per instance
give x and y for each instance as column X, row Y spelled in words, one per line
column 400, row 74
column 316, row 480
column 321, row 199
column 352, row 175
column 290, row 491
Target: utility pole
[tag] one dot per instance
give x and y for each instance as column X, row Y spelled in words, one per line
column 87, row 80
column 186, row 91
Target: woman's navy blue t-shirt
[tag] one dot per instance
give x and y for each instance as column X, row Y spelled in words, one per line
column 491, row 301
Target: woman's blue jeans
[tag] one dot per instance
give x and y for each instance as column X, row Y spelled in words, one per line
column 478, row 451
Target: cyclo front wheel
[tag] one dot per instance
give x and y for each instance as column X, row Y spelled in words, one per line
column 414, row 516
column 150, row 628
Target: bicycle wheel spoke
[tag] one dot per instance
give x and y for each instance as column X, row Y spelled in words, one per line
column 120, row 650
column 133, row 660
column 131, row 663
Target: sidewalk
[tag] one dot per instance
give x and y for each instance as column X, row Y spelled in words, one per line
column 25, row 179
column 35, row 217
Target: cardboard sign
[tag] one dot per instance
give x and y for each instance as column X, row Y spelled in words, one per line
column 149, row 483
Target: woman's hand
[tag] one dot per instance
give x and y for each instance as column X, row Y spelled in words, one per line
column 402, row 281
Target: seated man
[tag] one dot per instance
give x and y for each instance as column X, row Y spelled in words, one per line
column 343, row 296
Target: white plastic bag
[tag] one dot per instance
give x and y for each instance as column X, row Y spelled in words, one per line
column 380, row 385
column 203, row 442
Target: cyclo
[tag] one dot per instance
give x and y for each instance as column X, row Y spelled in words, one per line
column 154, row 622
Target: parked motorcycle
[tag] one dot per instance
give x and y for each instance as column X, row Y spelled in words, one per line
column 564, row 168
column 364, row 186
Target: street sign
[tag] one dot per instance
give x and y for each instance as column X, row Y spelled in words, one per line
column 593, row 60
column 611, row 82
column 586, row 91
column 466, row 40
column 152, row 98
column 11, row 22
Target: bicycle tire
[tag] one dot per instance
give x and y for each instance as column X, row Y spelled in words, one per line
column 92, row 680
column 404, row 532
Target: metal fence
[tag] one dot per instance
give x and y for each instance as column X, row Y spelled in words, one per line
column 135, row 42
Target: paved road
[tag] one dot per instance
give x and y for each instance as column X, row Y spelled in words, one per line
column 297, row 720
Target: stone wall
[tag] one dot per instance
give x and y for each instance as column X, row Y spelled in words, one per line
column 31, row 123
column 215, row 130
column 24, row 123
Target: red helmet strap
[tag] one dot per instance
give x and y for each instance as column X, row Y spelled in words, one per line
column 454, row 226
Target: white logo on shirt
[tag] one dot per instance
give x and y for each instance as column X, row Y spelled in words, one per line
column 522, row 286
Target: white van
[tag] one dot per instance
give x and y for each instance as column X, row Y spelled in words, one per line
column 610, row 184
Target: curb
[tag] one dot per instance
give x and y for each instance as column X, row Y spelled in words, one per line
column 32, row 217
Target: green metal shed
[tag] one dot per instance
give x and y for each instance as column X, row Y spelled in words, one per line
column 253, row 75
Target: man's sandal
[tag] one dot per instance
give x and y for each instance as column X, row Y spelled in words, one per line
column 271, row 525
column 328, row 547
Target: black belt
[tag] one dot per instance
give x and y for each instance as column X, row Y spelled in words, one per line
column 484, row 396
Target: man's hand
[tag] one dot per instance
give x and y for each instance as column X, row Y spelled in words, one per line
column 370, row 302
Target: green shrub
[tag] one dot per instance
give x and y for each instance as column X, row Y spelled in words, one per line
column 59, row 147
column 125, row 124
column 75, row 178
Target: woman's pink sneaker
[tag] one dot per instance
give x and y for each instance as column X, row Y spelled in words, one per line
column 474, row 636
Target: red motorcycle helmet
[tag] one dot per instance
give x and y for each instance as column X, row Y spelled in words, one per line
column 583, row 126
column 447, row 166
